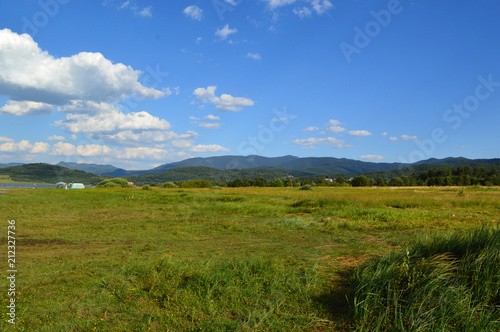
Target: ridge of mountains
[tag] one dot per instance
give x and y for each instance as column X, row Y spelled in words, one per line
column 229, row 168
column 307, row 165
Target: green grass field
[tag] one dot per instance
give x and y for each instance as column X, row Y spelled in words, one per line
column 242, row 259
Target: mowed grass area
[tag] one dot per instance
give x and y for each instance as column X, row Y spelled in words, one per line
column 236, row 259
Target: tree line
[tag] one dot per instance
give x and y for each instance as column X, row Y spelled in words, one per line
column 459, row 176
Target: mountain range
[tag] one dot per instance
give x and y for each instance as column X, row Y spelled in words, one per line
column 309, row 165
column 228, row 168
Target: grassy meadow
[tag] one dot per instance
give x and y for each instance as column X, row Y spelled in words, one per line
column 237, row 259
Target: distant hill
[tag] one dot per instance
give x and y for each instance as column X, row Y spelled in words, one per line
column 213, row 174
column 49, row 174
column 424, row 166
column 10, row 165
column 89, row 168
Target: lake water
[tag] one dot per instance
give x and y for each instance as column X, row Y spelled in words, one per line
column 26, row 185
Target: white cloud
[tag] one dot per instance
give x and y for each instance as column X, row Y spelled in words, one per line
column 408, row 137
column 146, row 12
column 194, row 12
column 129, row 137
column 309, row 129
column 321, row 6
column 211, row 117
column 278, row 3
column 359, row 133
column 113, row 121
column 193, row 118
column 87, row 106
column 302, row 12
column 371, row 157
column 20, row 108
column 384, row 134
column 24, row 146
column 223, row 103
column 255, row 56
column 311, row 142
column 40, row 147
column 208, row 148
column 56, row 138
column 89, row 150
column 335, row 129
column 207, row 125
column 28, row 74
column 393, row 139
column 141, row 153
column 205, row 94
column 6, row 139
column 225, row 32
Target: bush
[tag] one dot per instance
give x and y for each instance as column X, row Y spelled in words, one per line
column 114, row 183
column 146, row 187
column 306, row 187
column 169, row 185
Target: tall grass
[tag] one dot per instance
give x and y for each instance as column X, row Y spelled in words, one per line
column 248, row 294
column 442, row 283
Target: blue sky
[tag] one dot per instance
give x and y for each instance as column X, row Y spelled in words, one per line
column 138, row 83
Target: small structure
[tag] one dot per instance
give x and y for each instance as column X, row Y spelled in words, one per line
column 61, row 185
column 75, row 186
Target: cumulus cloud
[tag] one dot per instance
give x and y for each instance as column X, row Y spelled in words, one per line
column 194, row 12
column 223, row 103
column 208, row 125
column 28, row 74
column 312, row 142
column 309, row 129
column 335, row 129
column 141, row 153
column 87, row 106
column 20, row 108
column 24, row 146
column 255, row 56
column 225, row 32
column 56, row 138
column 273, row 4
column 408, row 137
column 321, row 6
column 371, row 157
column 113, row 121
column 132, row 138
column 393, row 139
column 211, row 117
column 359, row 133
column 5, row 139
column 146, row 12
column 208, row 148
column 302, row 12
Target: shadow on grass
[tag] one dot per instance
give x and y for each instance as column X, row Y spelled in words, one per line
column 337, row 301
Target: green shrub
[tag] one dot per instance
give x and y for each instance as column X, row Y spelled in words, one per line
column 169, row 185
column 115, row 182
column 306, row 187
column 146, row 187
